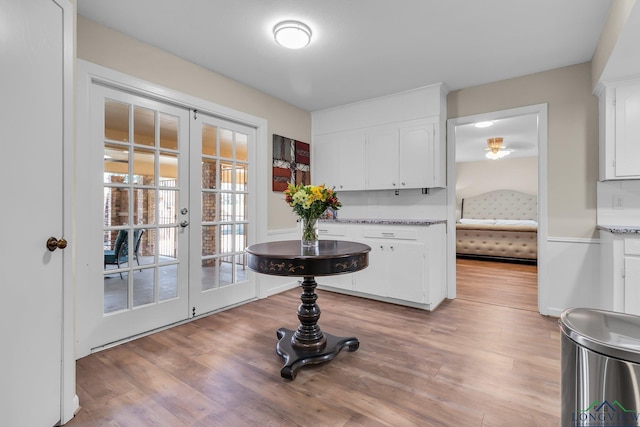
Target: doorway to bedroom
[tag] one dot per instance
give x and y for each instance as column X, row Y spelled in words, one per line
column 497, row 192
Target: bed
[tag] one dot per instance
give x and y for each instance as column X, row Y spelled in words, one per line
column 500, row 225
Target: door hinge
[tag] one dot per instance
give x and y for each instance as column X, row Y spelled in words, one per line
column 195, row 114
column 193, row 311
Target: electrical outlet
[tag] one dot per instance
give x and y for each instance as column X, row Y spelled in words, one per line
column 618, row 202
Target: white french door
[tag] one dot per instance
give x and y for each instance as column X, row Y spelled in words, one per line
column 220, row 190
column 174, row 194
column 145, row 205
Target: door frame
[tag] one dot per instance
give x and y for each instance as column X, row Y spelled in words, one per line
column 69, row 399
column 541, row 110
column 89, row 74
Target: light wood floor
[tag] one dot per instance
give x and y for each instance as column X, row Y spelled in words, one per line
column 498, row 283
column 469, row 363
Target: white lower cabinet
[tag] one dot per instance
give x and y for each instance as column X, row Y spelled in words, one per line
column 334, row 232
column 396, row 270
column 621, row 268
column 406, row 263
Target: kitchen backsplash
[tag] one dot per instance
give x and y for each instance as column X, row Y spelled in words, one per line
column 385, row 204
column 619, row 202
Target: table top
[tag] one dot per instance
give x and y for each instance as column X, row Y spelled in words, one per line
column 287, row 258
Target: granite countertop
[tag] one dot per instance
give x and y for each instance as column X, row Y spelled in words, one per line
column 620, row 229
column 385, row 221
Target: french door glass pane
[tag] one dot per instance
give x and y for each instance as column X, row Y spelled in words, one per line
column 168, row 206
column 148, row 247
column 144, row 126
column 209, row 279
column 167, row 244
column 226, row 271
column 242, row 144
column 241, row 207
column 116, row 295
column 144, row 205
column 209, row 206
column 208, row 240
column 209, row 174
column 116, row 120
column 226, row 143
column 209, row 140
column 144, row 164
column 241, row 177
column 144, row 287
column 116, row 163
column 168, row 132
column 168, row 169
column 168, row 282
column 116, row 206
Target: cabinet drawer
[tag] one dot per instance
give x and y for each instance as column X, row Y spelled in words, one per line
column 332, row 230
column 632, row 246
column 395, row 233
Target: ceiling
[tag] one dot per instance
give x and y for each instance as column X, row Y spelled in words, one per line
column 363, row 48
column 520, row 135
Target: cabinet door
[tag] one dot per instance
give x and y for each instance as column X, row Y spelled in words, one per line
column 627, row 136
column 632, row 285
column 405, row 276
column 350, row 159
column 325, row 167
column 382, row 159
column 417, row 160
column 373, row 279
column 327, row 231
column 396, row 270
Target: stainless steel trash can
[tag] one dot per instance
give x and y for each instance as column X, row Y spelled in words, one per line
column 600, row 361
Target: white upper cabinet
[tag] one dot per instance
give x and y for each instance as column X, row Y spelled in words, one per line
column 339, row 161
column 388, row 143
column 402, row 156
column 382, row 159
column 620, row 131
column 420, row 160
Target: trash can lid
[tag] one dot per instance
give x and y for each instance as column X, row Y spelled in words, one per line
column 610, row 333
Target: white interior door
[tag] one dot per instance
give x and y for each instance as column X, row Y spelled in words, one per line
column 31, row 317
column 222, row 154
column 143, row 146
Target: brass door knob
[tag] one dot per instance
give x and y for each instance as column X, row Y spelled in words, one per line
column 53, row 244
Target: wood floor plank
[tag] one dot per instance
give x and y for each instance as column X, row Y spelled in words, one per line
column 475, row 361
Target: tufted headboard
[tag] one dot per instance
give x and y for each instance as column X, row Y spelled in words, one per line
column 500, row 204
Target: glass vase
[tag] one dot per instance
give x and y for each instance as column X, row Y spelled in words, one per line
column 309, row 233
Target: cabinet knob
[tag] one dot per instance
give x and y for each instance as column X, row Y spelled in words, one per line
column 404, row 183
column 393, row 183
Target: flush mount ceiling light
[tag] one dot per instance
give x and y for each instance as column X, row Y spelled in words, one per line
column 496, row 150
column 483, row 124
column 292, row 34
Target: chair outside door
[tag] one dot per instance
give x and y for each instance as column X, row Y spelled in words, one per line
column 120, row 252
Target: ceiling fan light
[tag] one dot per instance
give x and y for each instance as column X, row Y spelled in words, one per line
column 497, row 155
column 292, row 34
column 483, row 124
column 496, row 150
